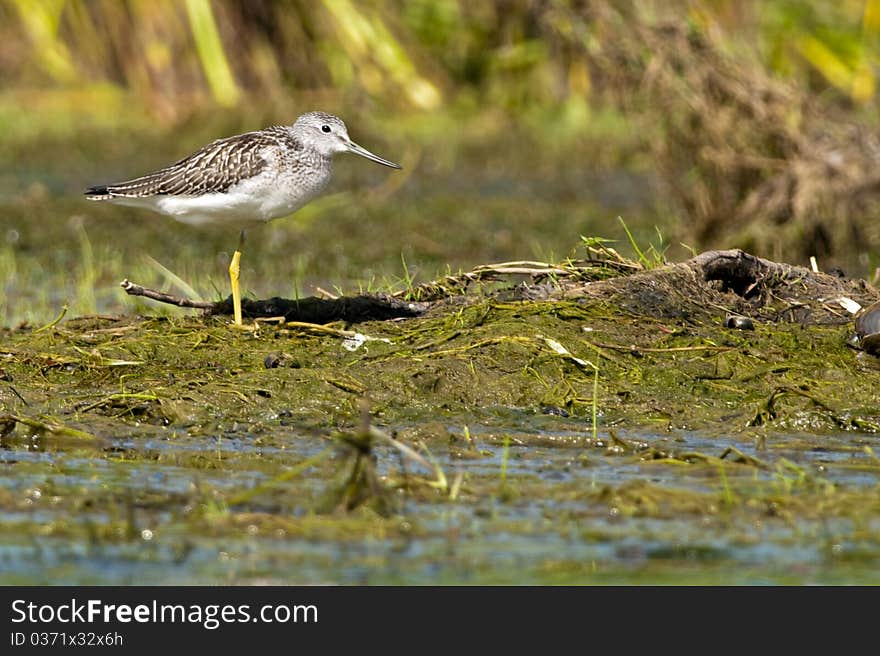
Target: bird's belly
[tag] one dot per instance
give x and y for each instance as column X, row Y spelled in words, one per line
column 240, row 205
column 211, row 208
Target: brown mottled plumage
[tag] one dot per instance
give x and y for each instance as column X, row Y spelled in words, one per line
column 211, row 169
column 251, row 177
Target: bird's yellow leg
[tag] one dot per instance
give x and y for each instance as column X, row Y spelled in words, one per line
column 234, row 270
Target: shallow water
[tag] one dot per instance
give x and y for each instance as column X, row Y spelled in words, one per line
column 567, row 533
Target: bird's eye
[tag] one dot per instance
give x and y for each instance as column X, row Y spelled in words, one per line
column 325, row 128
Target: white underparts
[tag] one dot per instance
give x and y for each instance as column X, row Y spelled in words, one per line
column 262, row 198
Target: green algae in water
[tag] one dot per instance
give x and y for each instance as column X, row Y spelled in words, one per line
column 209, row 467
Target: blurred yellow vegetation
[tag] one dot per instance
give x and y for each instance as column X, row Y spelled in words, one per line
column 170, row 59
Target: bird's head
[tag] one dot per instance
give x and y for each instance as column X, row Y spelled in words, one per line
column 328, row 135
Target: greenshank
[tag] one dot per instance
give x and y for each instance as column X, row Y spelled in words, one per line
column 242, row 180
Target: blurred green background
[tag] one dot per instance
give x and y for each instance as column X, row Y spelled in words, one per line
column 521, row 126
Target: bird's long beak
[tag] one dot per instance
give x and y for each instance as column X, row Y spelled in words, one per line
column 363, row 152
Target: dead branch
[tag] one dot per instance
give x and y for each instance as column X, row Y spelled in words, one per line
column 350, row 309
column 133, row 289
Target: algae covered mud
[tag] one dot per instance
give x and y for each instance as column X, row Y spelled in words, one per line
column 590, row 422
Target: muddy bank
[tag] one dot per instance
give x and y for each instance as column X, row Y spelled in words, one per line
column 716, row 340
column 614, row 406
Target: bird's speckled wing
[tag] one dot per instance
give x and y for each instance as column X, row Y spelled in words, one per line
column 212, row 169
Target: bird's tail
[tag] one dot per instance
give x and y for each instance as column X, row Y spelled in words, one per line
column 100, row 192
